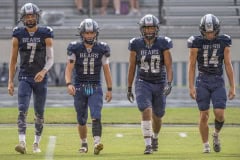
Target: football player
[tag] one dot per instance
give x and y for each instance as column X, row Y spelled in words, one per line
column 87, row 58
column 150, row 55
column 35, row 47
column 210, row 51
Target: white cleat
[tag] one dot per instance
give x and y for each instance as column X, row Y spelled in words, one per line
column 36, row 148
column 206, row 148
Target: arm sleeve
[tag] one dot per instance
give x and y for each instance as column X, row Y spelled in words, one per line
column 50, row 58
column 105, row 60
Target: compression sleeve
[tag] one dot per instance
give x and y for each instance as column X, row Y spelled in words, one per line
column 50, row 58
column 105, row 60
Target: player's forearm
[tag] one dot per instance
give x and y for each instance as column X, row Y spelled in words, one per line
column 107, row 75
column 68, row 75
column 230, row 74
column 131, row 73
column 191, row 76
column 12, row 70
column 169, row 74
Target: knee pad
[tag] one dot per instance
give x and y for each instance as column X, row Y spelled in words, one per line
column 218, row 125
column 146, row 128
column 97, row 127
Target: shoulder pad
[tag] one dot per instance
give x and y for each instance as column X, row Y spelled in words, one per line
column 194, row 41
column 47, row 31
column 16, row 31
column 71, row 48
column 226, row 39
column 106, row 49
column 168, row 39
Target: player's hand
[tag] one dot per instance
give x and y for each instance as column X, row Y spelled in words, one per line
column 71, row 89
column 231, row 93
column 10, row 88
column 130, row 96
column 108, row 97
column 167, row 89
column 40, row 76
column 192, row 93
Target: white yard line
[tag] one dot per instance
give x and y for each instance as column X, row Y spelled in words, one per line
column 50, row 148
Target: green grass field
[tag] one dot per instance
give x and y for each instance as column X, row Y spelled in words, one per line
column 129, row 145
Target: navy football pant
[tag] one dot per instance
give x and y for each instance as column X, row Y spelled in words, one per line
column 150, row 95
column 210, row 88
column 88, row 97
column 26, row 88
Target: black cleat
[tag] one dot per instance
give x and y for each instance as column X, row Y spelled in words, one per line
column 148, row 150
column 84, row 148
column 216, row 143
column 154, row 144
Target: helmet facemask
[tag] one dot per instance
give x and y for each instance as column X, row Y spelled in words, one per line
column 149, row 35
column 30, row 20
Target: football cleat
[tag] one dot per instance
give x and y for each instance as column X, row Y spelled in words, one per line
column 206, row 148
column 84, row 148
column 36, row 148
column 216, row 143
column 21, row 147
column 154, row 144
column 97, row 148
column 148, row 149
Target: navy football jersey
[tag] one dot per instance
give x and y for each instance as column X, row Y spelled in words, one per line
column 88, row 63
column 150, row 60
column 32, row 49
column 210, row 53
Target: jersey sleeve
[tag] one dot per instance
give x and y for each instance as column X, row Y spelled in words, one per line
column 168, row 43
column 71, row 49
column 132, row 44
column 226, row 39
column 48, row 32
column 16, row 32
column 106, row 49
column 193, row 42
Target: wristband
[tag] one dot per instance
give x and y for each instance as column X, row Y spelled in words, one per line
column 109, row 89
column 129, row 89
column 69, row 84
column 169, row 83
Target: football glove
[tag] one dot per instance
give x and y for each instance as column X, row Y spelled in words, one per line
column 167, row 89
column 130, row 96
